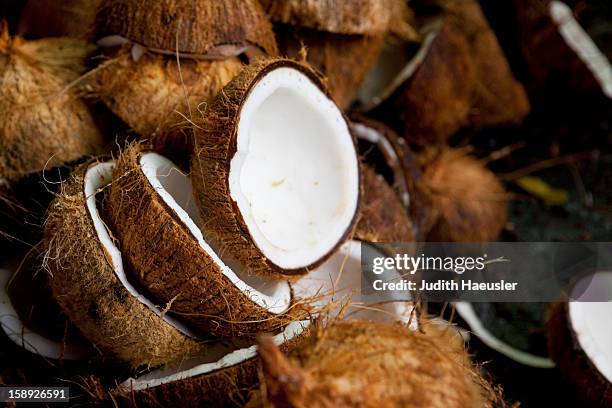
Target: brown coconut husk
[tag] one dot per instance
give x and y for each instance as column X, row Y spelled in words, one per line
column 344, row 60
column 89, row 292
column 43, row 122
column 157, row 95
column 188, row 27
column 52, row 18
column 572, row 361
column 365, row 17
column 468, row 203
column 383, row 218
column 215, row 144
column 463, row 80
column 175, row 269
column 226, row 387
column 404, row 368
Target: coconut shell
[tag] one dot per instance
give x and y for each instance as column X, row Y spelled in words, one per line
column 572, row 361
column 344, row 60
column 404, row 368
column 89, row 292
column 469, row 204
column 52, row 18
column 383, row 218
column 228, row 387
column 464, row 80
column 43, row 123
column 155, row 95
column 187, row 26
column 365, row 17
column 215, row 144
column 175, row 269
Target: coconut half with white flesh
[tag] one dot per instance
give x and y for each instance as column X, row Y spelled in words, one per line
column 220, row 377
column 580, row 337
column 88, row 280
column 13, row 326
column 152, row 213
column 275, row 171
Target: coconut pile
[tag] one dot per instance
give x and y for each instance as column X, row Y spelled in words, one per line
column 186, row 190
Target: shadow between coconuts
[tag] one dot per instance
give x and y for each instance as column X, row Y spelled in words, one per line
column 217, row 147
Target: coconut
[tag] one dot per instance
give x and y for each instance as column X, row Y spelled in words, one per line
column 469, row 203
column 426, row 103
column 344, row 60
column 559, row 55
column 32, row 318
column 151, row 197
column 579, row 338
column 51, row 18
column 405, row 369
column 185, row 27
column 276, row 171
column 365, row 17
column 383, row 218
column 158, row 95
column 87, row 278
column 43, row 123
column 21, row 332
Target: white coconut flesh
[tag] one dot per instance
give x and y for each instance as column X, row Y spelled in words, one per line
column 295, row 174
column 24, row 337
column 582, row 44
column 175, row 189
column 466, row 311
column 339, row 280
column 590, row 320
column 218, row 358
column 97, row 177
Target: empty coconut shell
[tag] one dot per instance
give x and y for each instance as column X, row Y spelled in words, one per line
column 404, row 369
column 43, row 123
column 88, row 281
column 468, row 203
column 188, row 27
column 152, row 212
column 275, row 171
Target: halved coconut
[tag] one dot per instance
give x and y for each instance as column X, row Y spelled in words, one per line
column 468, row 202
column 153, row 214
column 52, row 18
column 335, row 288
column 468, row 314
column 189, row 27
column 558, row 53
column 404, row 368
column 426, row 103
column 220, row 377
column 276, row 171
column 43, row 124
column 382, row 216
column 13, row 326
column 87, row 278
column 580, row 337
